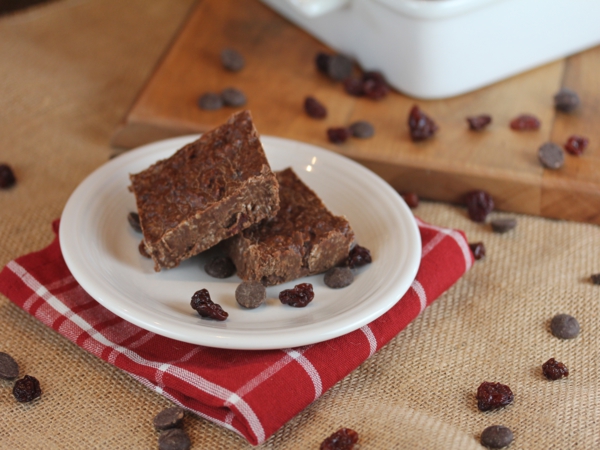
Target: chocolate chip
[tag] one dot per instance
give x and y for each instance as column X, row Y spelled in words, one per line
column 564, row 326
column 496, row 436
column 551, row 156
column 339, row 67
column 210, row 101
column 566, row 100
column 232, row 60
column 595, row 278
column 174, row 439
column 338, row 277
column 503, row 225
column 168, row 418
column 220, row 267
column 233, row 97
column 9, row 369
column 362, row 129
column 250, row 294
column 7, row 177
column 134, row 221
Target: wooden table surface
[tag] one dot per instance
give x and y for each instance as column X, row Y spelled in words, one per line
column 280, row 73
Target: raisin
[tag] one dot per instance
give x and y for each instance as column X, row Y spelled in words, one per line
column 525, row 122
column 496, row 436
column 566, row 100
column 575, row 145
column 168, row 418
column 339, row 67
column 478, row 123
column 564, row 326
column 210, row 101
column 322, row 62
column 551, row 156
column 134, row 221
column 478, row 250
column 7, row 177
column 479, row 205
column 27, row 389
column 174, row 439
column 338, row 277
column 143, row 250
column 358, row 257
column 503, row 225
column 362, row 129
column 421, row 126
column 233, row 97
column 354, row 86
column 250, row 294
column 299, row 297
column 554, row 370
column 411, row 199
column 342, row 439
column 314, row 108
column 232, row 60
column 338, row 135
column 493, row 396
column 202, row 303
column 9, row 369
column 374, row 85
column 220, row 267
column 595, row 278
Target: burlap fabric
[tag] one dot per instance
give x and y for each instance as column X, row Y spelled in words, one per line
column 68, row 72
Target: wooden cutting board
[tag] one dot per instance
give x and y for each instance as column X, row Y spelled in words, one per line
column 280, row 73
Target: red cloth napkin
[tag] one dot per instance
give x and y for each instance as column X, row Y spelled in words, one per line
column 252, row 393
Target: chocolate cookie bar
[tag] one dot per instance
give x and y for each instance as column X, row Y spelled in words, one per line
column 207, row 191
column 303, row 239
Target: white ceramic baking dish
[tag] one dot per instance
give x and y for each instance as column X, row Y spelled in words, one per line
column 441, row 48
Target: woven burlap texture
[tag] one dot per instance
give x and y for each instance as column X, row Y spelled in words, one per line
column 68, row 72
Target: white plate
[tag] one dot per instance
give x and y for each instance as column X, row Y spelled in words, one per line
column 101, row 250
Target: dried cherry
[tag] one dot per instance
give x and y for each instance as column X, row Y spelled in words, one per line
column 421, row 126
column 314, row 108
column 479, row 205
column 478, row 250
column 7, row 177
column 493, row 395
column 359, row 256
column 525, row 122
column 298, row 297
column 322, row 62
column 374, row 85
column 338, row 135
column 202, row 303
column 342, row 439
column 354, row 86
column 554, row 370
column 478, row 123
column 134, row 221
column 576, row 145
column 411, row 199
column 27, row 389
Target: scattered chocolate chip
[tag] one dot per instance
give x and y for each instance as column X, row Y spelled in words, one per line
column 339, row 67
column 411, row 199
column 250, row 294
column 174, row 439
column 204, row 306
column 338, row 135
column 134, row 221
column 354, row 86
column 210, row 101
column 564, row 326
column 314, row 108
column 554, row 370
column 142, row 249
column 479, row 205
column 342, row 439
column 595, row 278
column 503, row 225
column 169, row 418
column 233, row 97
column 232, row 60
column 322, row 62
column 9, row 369
column 220, row 267
column 338, row 277
column 358, row 257
column 575, row 145
column 478, row 250
column 298, row 297
column 374, row 85
column 27, row 389
column 478, row 123
column 551, row 156
column 496, row 436
column 493, row 395
column 421, row 126
column 566, row 100
column 525, row 122
column 362, row 129
column 7, row 177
